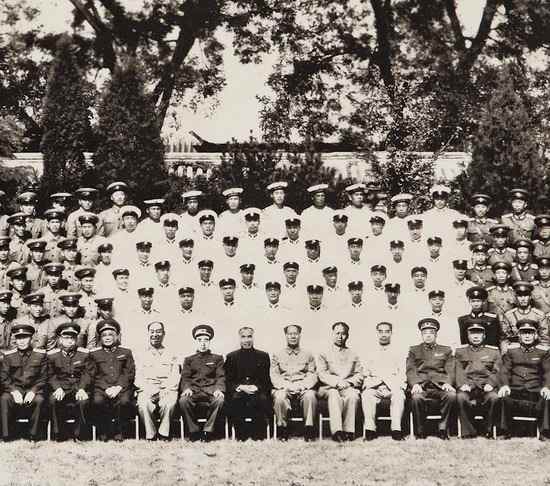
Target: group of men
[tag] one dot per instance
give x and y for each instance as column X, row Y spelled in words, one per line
column 104, row 310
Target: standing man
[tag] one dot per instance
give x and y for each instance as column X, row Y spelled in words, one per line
column 23, row 378
column 113, row 372
column 477, row 378
column 341, row 377
column 190, row 223
column 383, row 380
column 70, row 382
column 521, row 223
column 294, row 377
column 248, row 387
column 86, row 197
column 430, row 375
column 317, row 218
column 157, row 378
column 112, row 217
column 525, row 384
column 275, row 215
column 202, row 382
column 477, row 298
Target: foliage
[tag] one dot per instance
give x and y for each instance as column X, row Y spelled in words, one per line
column 505, row 151
column 66, row 123
column 131, row 148
column 11, row 136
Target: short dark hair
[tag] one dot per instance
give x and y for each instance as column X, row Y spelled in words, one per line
column 384, row 323
column 155, row 322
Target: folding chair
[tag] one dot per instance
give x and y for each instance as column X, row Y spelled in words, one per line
column 136, row 425
column 478, row 418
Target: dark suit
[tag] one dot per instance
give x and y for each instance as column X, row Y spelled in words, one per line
column 489, row 321
column 71, row 372
column 430, row 366
column 203, row 374
column 23, row 371
column 248, row 367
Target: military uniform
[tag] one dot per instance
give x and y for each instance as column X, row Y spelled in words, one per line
column 481, row 275
column 489, row 321
column 541, row 248
column 509, row 322
column 500, row 299
column 527, row 272
column 521, row 227
column 541, row 296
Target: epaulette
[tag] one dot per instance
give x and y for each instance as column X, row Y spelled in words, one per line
column 95, row 349
column 538, row 311
column 534, row 266
column 491, row 346
column 507, row 215
column 536, row 241
column 284, row 238
column 11, row 351
column 543, row 347
column 53, row 351
column 41, row 351
column 491, row 250
column 529, row 215
column 491, row 288
column 513, row 345
column 83, row 350
column 490, row 314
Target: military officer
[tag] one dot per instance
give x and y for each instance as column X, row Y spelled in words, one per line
column 69, row 379
column 430, row 375
column 125, row 239
column 5, row 262
column 248, row 387
column 72, row 312
column 294, row 377
column 458, row 245
column 35, row 268
column 61, row 200
column 151, row 225
column 275, row 215
column 480, row 273
column 113, row 372
column 479, row 226
column 524, row 268
column 37, row 317
column 112, row 217
column 157, row 378
column 69, row 259
column 247, row 289
column 251, row 238
column 291, row 244
column 457, row 287
column 231, row 219
column 206, row 287
column 477, row 298
column 501, row 297
column 541, row 246
column 439, row 218
column 23, row 377
column 104, row 276
column 337, row 241
column 166, row 246
column 19, row 236
column 500, row 252
column 189, row 218
column 357, row 211
column 317, row 217
column 55, row 286
column 27, row 201
column 523, row 310
column 541, row 288
column 89, row 241
column 477, row 379
column 134, row 331
column 202, row 382
column 86, row 197
column 397, row 226
column 525, row 388
column 20, row 287
column 7, row 315
column 86, row 278
column 207, row 241
column 521, row 223
column 292, row 292
column 53, row 235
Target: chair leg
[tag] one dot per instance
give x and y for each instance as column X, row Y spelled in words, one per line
column 411, row 426
column 94, row 432
column 226, row 429
column 459, row 429
column 137, row 427
column 274, row 427
column 182, row 432
column 494, row 432
column 320, row 427
column 49, row 430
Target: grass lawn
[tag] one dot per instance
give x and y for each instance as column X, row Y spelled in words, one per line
column 429, row 462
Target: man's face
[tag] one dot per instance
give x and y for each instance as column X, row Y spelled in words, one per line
column 377, row 228
column 122, row 281
column 313, row 252
column 187, row 251
column 230, row 250
column 476, row 304
column 86, row 204
column 70, row 310
column 170, row 231
column 4, row 307
column 523, row 299
column 480, row 210
column 37, row 256
column 378, row 278
column 402, row 209
column 397, row 253
column 500, row 241
column 156, row 335
column 146, row 301
column 247, row 277
column 203, row 344
column 331, row 279
column 319, row 199
column 246, row 339
column 192, row 206
column 501, row 276
column 340, row 226
column 429, row 336
column 480, row 258
column 28, row 209
column 67, row 341
column 356, row 295
column 415, row 232
column 544, row 232
column 273, row 294
column 271, row 251
column 19, row 229
column 129, row 222
column 392, row 297
column 355, row 251
column 88, row 230
column 440, row 202
column 340, row 336
column 105, row 312
column 523, row 255
column 437, row 303
column 384, row 334
column 18, row 284
column 53, row 279
column 278, row 197
column 23, row 342
column 87, row 284
column 163, row 275
column 233, row 203
column 207, row 227
column 315, row 298
column 293, row 336
column 105, row 257
column 118, row 198
column 186, row 300
column 143, row 254
column 293, row 231
column 291, row 274
column 435, row 250
column 252, row 225
column 54, row 226
column 357, row 199
column 476, row 338
column 460, row 273
column 460, row 232
column 4, row 254
column 527, row 337
column 36, row 309
column 228, row 292
column 154, row 212
column 419, row 280
column 518, row 205
column 544, row 273
column 205, row 273
column 108, row 338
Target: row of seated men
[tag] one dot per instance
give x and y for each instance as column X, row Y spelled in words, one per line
column 102, row 385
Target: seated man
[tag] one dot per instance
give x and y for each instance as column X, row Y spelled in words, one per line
column 294, row 377
column 70, row 382
column 157, row 378
column 341, row 377
column 248, row 386
column 477, row 369
column 23, row 377
column 202, row 382
column 430, row 372
column 383, row 379
column 525, row 381
column 113, row 372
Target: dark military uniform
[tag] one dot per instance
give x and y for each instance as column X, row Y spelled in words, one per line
column 489, row 321
column 521, row 227
column 71, row 372
column 525, row 371
column 431, row 366
column 528, row 272
column 112, row 367
column 248, row 367
column 203, row 373
column 477, row 366
column 500, row 299
column 482, row 276
column 541, row 248
column 478, row 230
column 509, row 329
column 501, row 255
column 23, row 371
column 541, row 296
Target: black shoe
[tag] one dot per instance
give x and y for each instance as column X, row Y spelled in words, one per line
column 152, row 439
column 370, row 435
column 469, row 436
column 282, row 434
column 544, row 438
column 60, row 438
column 117, row 437
column 195, row 436
column 489, row 435
column 349, row 436
column 103, row 437
column 163, row 438
column 309, row 434
column 77, row 440
column 338, row 436
column 443, row 435
column 506, row 436
column 397, row 435
column 420, row 436
column 207, row 436
column 33, row 438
